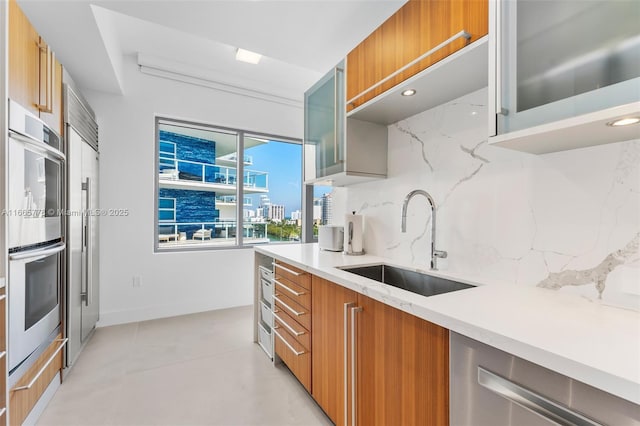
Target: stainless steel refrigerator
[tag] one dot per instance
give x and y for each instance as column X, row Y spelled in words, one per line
column 82, row 268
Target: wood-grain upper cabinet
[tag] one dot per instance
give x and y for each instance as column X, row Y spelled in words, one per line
column 402, row 367
column 329, row 303
column 392, row 367
column 24, row 60
column 35, row 76
column 418, row 27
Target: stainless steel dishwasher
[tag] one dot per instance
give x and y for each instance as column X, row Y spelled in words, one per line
column 490, row 387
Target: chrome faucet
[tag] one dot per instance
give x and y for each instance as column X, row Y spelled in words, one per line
column 435, row 254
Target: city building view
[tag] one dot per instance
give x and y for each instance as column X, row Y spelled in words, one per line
column 197, row 188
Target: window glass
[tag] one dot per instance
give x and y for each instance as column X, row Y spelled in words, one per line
column 277, row 210
column 202, row 175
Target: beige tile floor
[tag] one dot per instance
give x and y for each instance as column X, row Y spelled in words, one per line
column 200, row 369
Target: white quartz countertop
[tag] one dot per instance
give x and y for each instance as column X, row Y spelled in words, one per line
column 596, row 344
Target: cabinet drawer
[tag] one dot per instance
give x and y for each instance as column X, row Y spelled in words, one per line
column 301, row 314
column 292, row 273
column 264, row 339
column 294, row 355
column 267, row 290
column 283, row 320
column 295, row 292
column 265, row 314
column 265, row 273
column 26, row 393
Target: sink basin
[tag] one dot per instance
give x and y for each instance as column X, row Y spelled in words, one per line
column 415, row 282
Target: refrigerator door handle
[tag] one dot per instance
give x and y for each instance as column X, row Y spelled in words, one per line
column 86, row 241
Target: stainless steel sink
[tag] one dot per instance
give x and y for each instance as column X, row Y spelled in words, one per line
column 415, row 282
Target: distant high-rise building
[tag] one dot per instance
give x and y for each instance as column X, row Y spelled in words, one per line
column 317, row 211
column 276, row 212
column 327, row 208
column 263, row 210
column 296, row 215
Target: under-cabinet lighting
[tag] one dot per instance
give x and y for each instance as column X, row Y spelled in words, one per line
column 248, row 56
column 624, row 121
column 409, row 92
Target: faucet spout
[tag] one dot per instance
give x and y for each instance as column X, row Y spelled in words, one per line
column 435, row 254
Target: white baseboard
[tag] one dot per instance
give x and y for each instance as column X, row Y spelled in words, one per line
column 164, row 311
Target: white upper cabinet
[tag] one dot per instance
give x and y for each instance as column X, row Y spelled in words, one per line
column 561, row 71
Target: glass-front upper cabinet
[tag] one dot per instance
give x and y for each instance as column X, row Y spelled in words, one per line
column 560, row 59
column 324, row 112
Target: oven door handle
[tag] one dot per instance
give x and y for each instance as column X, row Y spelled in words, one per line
column 37, row 253
column 40, row 146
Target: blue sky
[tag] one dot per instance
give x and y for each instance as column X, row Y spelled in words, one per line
column 283, row 162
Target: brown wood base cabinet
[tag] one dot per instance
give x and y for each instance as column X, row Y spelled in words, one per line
column 26, row 393
column 376, row 365
column 292, row 320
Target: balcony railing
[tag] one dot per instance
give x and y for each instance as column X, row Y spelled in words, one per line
column 204, row 231
column 231, row 199
column 185, row 170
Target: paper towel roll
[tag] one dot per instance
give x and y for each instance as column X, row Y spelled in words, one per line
column 353, row 243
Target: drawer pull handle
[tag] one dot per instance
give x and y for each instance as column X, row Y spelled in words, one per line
column 297, row 274
column 290, row 290
column 4, row 296
column 289, row 308
column 287, row 326
column 532, row 401
column 43, row 369
column 296, row 353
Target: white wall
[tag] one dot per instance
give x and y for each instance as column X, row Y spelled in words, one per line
column 505, row 216
column 171, row 283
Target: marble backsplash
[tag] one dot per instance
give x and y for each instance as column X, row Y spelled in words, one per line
column 568, row 221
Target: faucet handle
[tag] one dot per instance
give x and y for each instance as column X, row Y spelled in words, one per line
column 440, row 254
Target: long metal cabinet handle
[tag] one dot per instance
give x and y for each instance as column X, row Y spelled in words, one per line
column 48, row 101
column 336, row 113
column 346, row 362
column 287, row 326
column 354, row 401
column 290, row 290
column 532, row 401
column 498, row 52
column 37, row 253
column 51, row 59
column 289, row 308
column 297, row 274
column 461, row 34
column 86, row 241
column 44, row 368
column 296, row 353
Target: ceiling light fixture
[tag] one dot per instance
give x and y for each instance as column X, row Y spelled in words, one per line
column 624, row 121
column 247, row 56
column 409, row 92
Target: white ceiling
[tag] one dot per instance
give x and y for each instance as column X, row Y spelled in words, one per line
column 300, row 39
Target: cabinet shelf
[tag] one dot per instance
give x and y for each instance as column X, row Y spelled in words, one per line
column 458, row 74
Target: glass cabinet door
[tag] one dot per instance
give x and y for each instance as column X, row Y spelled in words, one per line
column 324, row 111
column 563, row 58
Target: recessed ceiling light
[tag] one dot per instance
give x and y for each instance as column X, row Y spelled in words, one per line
column 409, row 92
column 247, row 56
column 624, row 121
